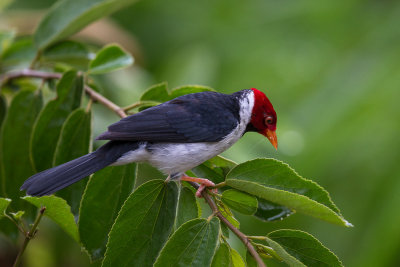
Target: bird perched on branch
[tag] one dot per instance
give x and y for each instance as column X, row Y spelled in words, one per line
column 174, row 137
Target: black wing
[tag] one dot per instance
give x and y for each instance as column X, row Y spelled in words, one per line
column 199, row 117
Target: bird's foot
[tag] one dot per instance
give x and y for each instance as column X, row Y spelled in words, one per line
column 203, row 184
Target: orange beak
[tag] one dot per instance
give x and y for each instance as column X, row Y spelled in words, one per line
column 271, row 135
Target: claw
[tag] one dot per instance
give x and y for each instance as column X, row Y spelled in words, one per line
column 200, row 190
column 203, row 184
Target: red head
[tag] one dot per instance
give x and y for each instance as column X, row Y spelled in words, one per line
column 263, row 117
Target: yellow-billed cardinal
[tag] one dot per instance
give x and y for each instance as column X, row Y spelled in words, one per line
column 174, row 137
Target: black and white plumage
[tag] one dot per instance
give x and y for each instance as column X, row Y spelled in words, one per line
column 174, row 137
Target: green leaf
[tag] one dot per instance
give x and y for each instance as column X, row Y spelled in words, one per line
column 268, row 211
column 222, row 256
column 145, row 173
column 160, row 92
column 110, row 58
column 250, row 261
column 105, row 193
column 224, row 230
column 67, row 17
column 19, row 54
column 74, row 141
column 188, row 89
column 6, row 38
column 239, row 201
column 236, row 259
column 69, row 52
column 8, row 228
column 227, row 213
column 187, row 207
column 59, row 211
column 143, row 225
column 3, row 109
column 298, row 248
column 17, row 215
column 16, row 130
column 214, row 169
column 277, row 182
column 193, row 244
column 50, row 121
column 4, row 202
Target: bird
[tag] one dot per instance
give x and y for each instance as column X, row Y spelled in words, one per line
column 174, row 137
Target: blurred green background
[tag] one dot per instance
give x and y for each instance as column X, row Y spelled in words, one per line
column 331, row 70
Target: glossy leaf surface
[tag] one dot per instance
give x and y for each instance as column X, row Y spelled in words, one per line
column 69, row 52
column 268, row 211
column 193, row 244
column 298, row 248
column 143, row 225
column 277, row 182
column 51, row 119
column 14, row 146
column 74, row 141
column 105, row 193
column 222, row 256
column 59, row 211
column 67, row 17
column 239, row 201
column 110, row 58
column 187, row 207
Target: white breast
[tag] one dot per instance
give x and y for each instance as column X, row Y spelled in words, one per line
column 173, row 158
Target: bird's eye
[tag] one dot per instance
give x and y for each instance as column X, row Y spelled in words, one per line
column 268, row 120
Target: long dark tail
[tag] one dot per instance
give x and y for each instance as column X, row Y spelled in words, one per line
column 52, row 180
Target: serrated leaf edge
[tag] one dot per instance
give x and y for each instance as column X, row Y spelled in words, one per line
column 346, row 223
column 200, row 219
column 76, row 238
column 294, row 171
column 336, row 215
column 308, row 234
column 119, row 213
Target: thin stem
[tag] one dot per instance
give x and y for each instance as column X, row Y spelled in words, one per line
column 53, row 75
column 236, row 231
column 105, row 102
column 29, row 235
column 140, row 103
column 89, row 105
column 219, row 185
column 21, row 229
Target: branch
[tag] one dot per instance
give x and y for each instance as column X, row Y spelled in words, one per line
column 120, row 112
column 53, row 75
column 29, row 235
column 236, row 231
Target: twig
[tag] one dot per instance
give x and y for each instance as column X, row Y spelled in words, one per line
column 21, row 229
column 105, row 102
column 140, row 103
column 219, row 185
column 29, row 235
column 121, row 112
column 53, row 75
column 236, row 231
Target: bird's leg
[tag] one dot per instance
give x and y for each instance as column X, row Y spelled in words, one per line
column 203, row 183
